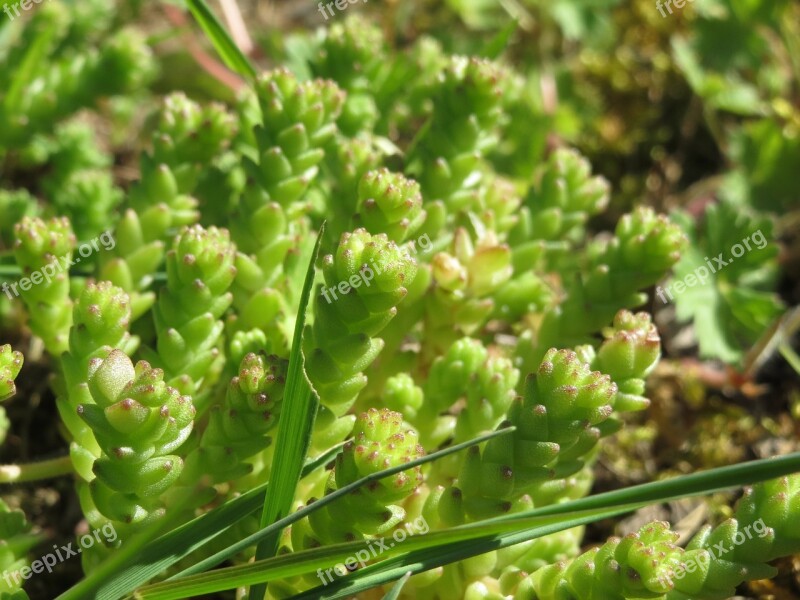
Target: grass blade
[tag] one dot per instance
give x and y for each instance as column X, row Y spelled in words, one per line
column 694, row 484
column 300, row 405
column 430, row 558
column 227, row 49
column 425, row 552
column 307, row 510
column 135, row 564
column 306, row 561
column 46, row 37
column 641, row 495
column 498, row 44
column 394, row 593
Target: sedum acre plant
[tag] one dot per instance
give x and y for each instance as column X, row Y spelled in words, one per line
column 10, row 365
column 337, row 306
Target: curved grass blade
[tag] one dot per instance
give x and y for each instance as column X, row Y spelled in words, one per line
column 691, row 485
column 300, row 404
column 421, row 553
column 136, row 563
column 306, row 561
column 498, row 44
column 430, row 558
column 307, row 510
column 227, row 49
column 394, row 593
column 46, row 37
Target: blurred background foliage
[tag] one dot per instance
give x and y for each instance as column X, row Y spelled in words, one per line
column 699, row 106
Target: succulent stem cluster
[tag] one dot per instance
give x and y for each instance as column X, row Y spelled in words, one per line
column 41, row 247
column 466, row 108
column 380, row 441
column 200, row 269
column 15, row 537
column 239, row 427
column 365, row 281
column 292, row 121
column 139, row 422
column 650, row 564
column 563, row 199
column 465, row 278
column 10, row 365
column 348, row 56
column 389, row 203
column 466, row 372
column 188, row 136
column 101, row 64
column 101, row 319
column 564, row 411
column 15, row 541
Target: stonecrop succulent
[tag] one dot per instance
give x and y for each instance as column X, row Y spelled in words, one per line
column 10, row 365
column 650, row 564
column 474, row 319
column 138, row 421
column 379, row 442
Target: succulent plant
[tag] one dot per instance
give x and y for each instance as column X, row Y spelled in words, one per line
column 650, row 564
column 239, row 427
column 44, row 251
column 120, row 62
column 476, row 292
column 101, row 319
column 380, row 440
column 389, row 203
column 139, row 422
column 200, row 269
column 16, row 540
column 10, row 365
column 365, row 281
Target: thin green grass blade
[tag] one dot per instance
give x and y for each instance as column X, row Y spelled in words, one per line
column 691, row 485
column 430, row 558
column 475, row 538
column 306, row 561
column 498, row 44
column 227, row 49
column 307, row 510
column 300, row 405
column 394, row 593
column 134, row 564
column 26, row 71
column 694, row 484
column 312, row 464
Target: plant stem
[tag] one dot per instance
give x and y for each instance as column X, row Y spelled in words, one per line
column 45, row 469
